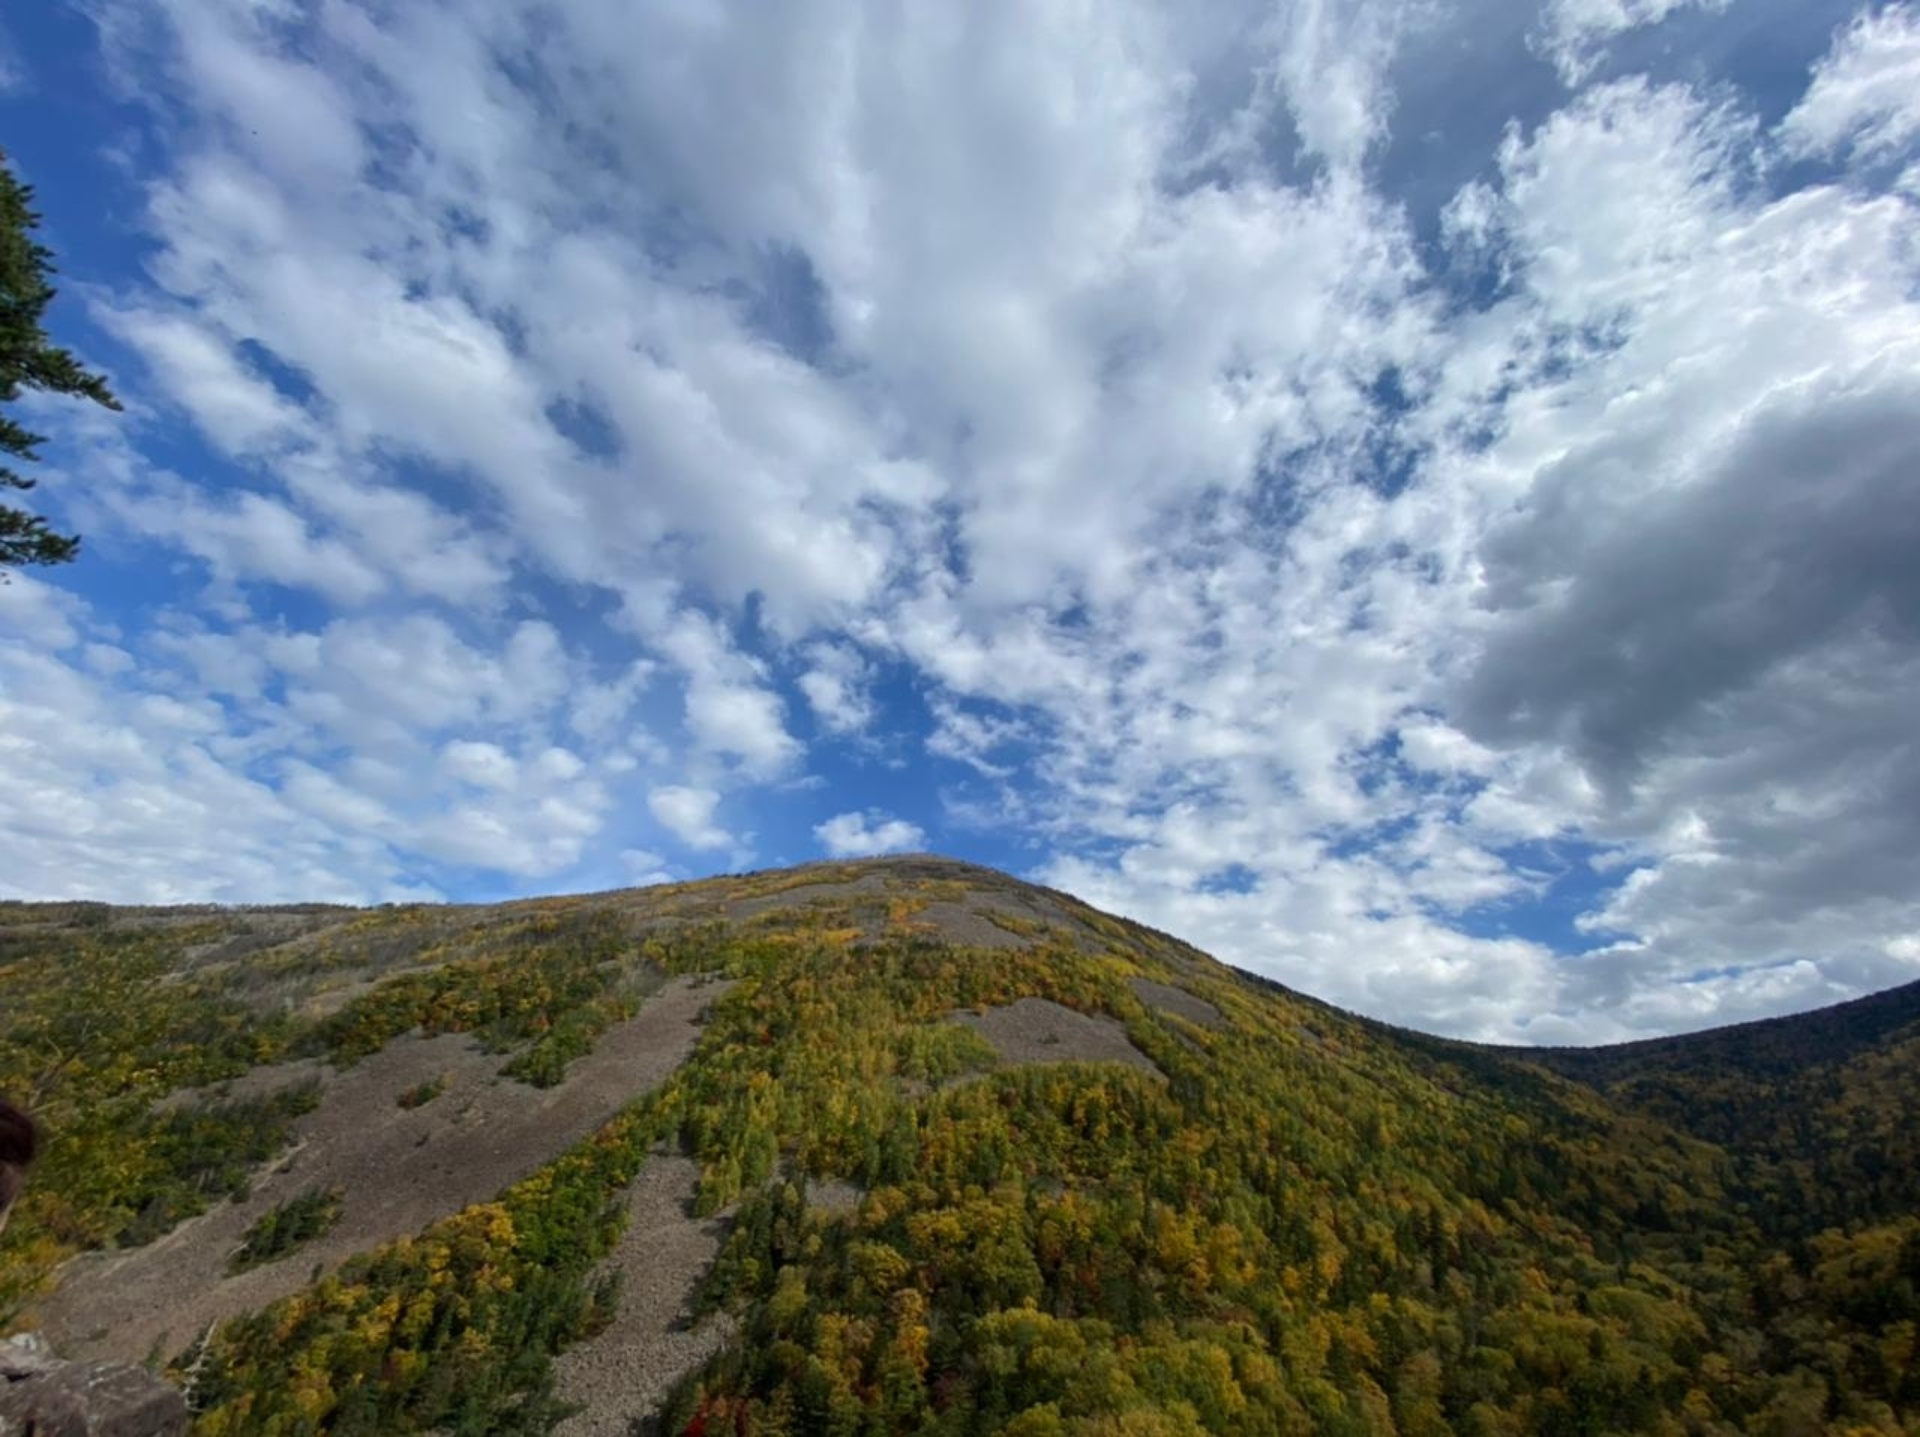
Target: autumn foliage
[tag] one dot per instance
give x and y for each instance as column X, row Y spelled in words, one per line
column 1293, row 1222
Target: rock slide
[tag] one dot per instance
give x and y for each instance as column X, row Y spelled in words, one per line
column 622, row 1374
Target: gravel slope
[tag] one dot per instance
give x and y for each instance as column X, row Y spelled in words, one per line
column 623, row 1373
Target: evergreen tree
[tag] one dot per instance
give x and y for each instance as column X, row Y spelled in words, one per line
column 28, row 360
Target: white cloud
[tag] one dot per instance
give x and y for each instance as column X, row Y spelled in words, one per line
column 1865, row 95
column 1331, row 62
column 835, row 683
column 860, row 835
column 118, row 790
column 334, row 532
column 643, row 868
column 688, row 814
column 729, row 709
column 202, row 372
column 289, row 114
column 1693, row 607
column 1736, row 420
column 258, row 764
column 1575, row 34
column 249, row 537
column 484, row 765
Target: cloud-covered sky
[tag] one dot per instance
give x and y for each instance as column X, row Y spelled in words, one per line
column 1421, row 499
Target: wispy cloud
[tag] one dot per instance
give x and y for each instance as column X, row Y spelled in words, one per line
column 1576, row 34
column 14, row 77
column 1865, row 96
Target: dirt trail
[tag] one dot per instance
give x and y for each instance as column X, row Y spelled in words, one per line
column 401, row 1169
column 622, row 1374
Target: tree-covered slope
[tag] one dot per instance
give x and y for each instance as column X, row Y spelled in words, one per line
column 1225, row 1208
column 1820, row 1111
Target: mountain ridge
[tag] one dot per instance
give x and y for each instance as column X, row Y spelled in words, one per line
column 946, row 1206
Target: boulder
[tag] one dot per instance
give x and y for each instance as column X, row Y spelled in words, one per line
column 41, row 1396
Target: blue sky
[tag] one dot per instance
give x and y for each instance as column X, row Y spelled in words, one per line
column 1417, row 499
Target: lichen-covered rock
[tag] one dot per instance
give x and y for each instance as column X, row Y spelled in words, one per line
column 41, row 1396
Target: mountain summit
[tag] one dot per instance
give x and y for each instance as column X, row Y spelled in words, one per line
column 907, row 1145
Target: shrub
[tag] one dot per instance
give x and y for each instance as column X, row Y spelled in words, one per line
column 281, row 1229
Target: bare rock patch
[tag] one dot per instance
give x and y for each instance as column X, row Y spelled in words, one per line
column 1038, row 1030
column 966, row 925
column 834, row 1195
column 1165, row 998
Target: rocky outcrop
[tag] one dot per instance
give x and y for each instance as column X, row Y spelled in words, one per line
column 41, row 1396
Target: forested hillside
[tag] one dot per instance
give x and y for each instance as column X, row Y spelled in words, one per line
column 1821, row 1110
column 988, row 1161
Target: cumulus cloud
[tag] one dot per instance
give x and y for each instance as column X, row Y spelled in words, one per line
column 231, row 764
column 643, row 868
column 730, row 711
column 688, row 814
column 861, row 835
column 540, row 468
column 118, row 789
column 1699, row 603
column 835, row 682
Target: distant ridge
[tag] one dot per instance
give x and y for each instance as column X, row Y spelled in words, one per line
column 1776, row 1046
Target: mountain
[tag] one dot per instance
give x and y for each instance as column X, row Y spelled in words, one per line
column 906, row 1145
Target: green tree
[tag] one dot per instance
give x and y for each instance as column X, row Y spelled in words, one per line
column 28, row 360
